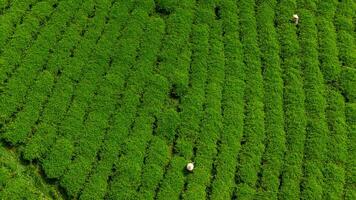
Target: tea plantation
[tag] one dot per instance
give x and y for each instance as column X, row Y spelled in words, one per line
column 111, row 99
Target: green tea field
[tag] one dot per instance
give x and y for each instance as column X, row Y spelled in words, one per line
column 178, row 99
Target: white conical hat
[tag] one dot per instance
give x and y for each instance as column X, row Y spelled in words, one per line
column 190, row 166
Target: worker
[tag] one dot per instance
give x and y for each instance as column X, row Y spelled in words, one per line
column 190, row 166
column 296, row 19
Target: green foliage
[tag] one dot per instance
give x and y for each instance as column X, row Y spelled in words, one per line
column 192, row 103
column 58, row 159
column 191, row 113
column 72, row 125
column 33, row 62
column 334, row 171
column 293, row 102
column 350, row 169
column 232, row 105
column 328, row 52
column 129, row 167
column 45, row 132
column 174, row 180
column 18, row 130
column 19, row 182
column 271, row 164
column 111, row 99
column 346, row 28
column 174, row 61
column 157, row 156
column 103, row 103
column 348, row 82
column 10, row 18
column 206, row 142
column 252, row 146
column 174, row 56
column 136, row 82
column 315, row 105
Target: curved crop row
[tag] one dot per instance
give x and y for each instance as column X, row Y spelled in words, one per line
column 328, row 52
column 174, row 55
column 156, row 159
column 191, row 104
column 191, row 112
column 136, row 82
column 174, row 61
column 18, row 130
column 21, row 127
column 232, row 105
column 315, row 105
column 35, row 60
column 349, row 189
column 334, row 171
column 22, row 182
column 18, row 50
column 11, row 17
column 45, row 132
column 129, row 168
column 347, row 83
column 272, row 158
column 102, row 107
column 72, row 125
column 105, row 51
column 175, row 181
column 198, row 183
column 167, row 124
column 345, row 32
column 111, row 99
column 293, row 102
column 252, row 146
